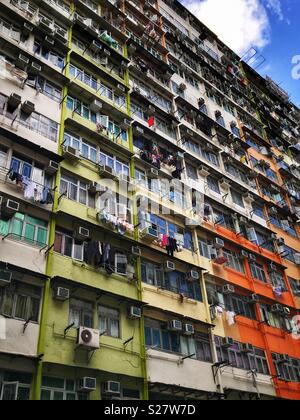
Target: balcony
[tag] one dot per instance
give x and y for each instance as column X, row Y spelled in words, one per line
column 17, row 340
column 242, row 381
column 166, row 368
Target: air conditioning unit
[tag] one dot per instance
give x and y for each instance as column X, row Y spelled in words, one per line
column 228, row 289
column 5, row 278
column 62, row 294
column 227, row 342
column 280, row 242
column 49, row 41
column 70, row 153
column 254, row 298
column 34, row 68
column 247, row 348
column 284, row 359
column 28, row 107
column 277, row 309
column 88, row 338
column 272, row 267
column 152, row 173
column 193, row 275
column 87, row 384
column 135, row 250
column 297, row 258
column 204, row 171
column 125, row 124
column 112, row 388
column 135, row 312
column 95, row 46
column 107, row 172
column 149, row 233
column 82, row 233
column 219, row 243
column 27, row 28
column 124, row 178
column 169, row 266
column 249, row 198
column 175, row 325
column 188, row 329
column 22, row 61
column 61, row 35
column 286, row 311
column 244, row 254
column 225, row 184
column 45, row 24
column 94, row 188
column 96, row 106
column 10, row 207
column 52, row 168
column 14, row 101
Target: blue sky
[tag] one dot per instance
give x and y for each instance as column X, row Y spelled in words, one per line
column 271, row 26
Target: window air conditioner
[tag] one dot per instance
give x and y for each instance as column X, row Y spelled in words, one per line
column 62, row 294
column 227, row 342
column 228, row 289
column 87, row 384
column 175, row 325
column 5, row 278
column 112, row 388
column 169, row 266
column 188, row 329
column 135, row 312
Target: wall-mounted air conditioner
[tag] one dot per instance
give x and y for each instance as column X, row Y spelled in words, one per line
column 204, row 171
column 225, row 184
column 193, row 275
column 136, row 251
column 96, row 106
column 218, row 243
column 247, row 348
column 88, row 338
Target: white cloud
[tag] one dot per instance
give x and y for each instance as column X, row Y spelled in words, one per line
column 240, row 24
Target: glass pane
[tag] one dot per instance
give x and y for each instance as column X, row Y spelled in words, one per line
column 45, row 395
column 58, row 396
column 42, row 236
column 29, row 233
column 23, row 394
column 17, row 228
column 21, row 307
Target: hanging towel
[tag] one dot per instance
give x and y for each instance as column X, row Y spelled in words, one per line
column 230, row 317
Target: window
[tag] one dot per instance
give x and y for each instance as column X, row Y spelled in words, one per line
column 277, row 279
column 211, row 157
column 258, row 272
column 256, row 361
column 274, row 320
column 203, row 347
column 26, row 228
column 120, row 264
column 109, row 321
column 234, row 261
column 48, row 55
column 44, row 86
column 87, row 150
column 175, row 281
column 21, row 301
column 82, row 109
column 114, row 163
column 213, row 185
column 65, row 244
column 240, row 305
column 205, row 248
column 295, row 285
column 14, row 386
column 81, row 313
column 289, row 371
column 237, row 198
column 259, row 210
column 60, row 389
column 76, row 190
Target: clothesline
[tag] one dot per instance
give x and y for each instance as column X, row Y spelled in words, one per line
column 5, row 170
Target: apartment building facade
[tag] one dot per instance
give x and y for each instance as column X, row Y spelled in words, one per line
column 150, row 206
